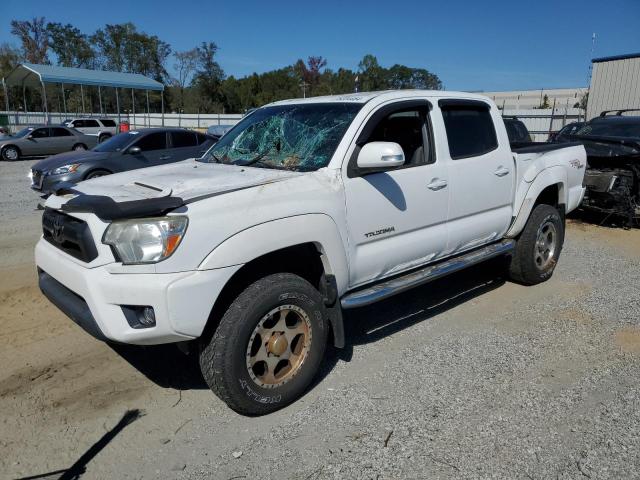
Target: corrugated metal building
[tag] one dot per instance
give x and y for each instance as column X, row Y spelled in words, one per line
column 615, row 84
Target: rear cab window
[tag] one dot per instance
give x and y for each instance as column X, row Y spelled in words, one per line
column 469, row 128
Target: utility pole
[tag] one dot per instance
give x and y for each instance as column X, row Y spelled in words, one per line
column 304, row 86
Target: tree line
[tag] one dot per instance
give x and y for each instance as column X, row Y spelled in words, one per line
column 196, row 83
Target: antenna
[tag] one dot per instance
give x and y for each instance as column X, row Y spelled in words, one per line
column 593, row 48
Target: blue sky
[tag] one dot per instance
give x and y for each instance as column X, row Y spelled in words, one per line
column 470, row 45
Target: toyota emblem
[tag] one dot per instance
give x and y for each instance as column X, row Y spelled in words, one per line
column 58, row 228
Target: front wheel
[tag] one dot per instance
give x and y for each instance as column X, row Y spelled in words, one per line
column 539, row 246
column 10, row 153
column 268, row 345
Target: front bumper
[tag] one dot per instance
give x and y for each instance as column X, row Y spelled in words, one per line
column 93, row 297
column 45, row 183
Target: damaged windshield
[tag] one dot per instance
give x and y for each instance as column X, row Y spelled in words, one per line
column 299, row 137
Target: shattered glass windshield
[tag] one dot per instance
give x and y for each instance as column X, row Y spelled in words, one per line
column 289, row 137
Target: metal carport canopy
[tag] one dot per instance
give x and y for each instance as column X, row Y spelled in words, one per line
column 31, row 75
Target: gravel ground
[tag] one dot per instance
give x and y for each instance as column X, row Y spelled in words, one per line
column 469, row 377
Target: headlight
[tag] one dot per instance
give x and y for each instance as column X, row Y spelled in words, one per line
column 145, row 240
column 65, row 169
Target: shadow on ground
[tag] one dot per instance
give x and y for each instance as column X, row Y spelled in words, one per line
column 168, row 367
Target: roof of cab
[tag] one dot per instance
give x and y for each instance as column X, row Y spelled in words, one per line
column 364, row 97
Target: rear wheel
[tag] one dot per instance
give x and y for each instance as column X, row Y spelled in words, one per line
column 10, row 153
column 79, row 146
column 104, row 137
column 539, row 246
column 268, row 345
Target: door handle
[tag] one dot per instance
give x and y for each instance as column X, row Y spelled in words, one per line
column 165, row 157
column 501, row 171
column 437, row 184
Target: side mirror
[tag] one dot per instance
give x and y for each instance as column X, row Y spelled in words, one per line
column 134, row 151
column 380, row 155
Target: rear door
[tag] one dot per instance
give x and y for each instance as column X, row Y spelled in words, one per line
column 481, row 174
column 153, row 149
column 396, row 218
column 62, row 140
column 184, row 144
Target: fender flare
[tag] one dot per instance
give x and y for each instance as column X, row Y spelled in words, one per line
column 317, row 229
column 556, row 175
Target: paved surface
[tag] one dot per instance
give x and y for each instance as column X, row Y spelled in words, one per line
column 470, row 377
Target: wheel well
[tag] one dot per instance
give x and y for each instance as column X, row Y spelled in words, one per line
column 549, row 196
column 79, row 143
column 90, row 172
column 303, row 260
column 14, row 146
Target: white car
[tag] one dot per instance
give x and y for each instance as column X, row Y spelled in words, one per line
column 103, row 128
column 306, row 208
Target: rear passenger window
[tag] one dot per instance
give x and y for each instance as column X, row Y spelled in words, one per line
column 202, row 138
column 60, row 132
column 153, row 141
column 183, row 139
column 108, row 123
column 470, row 130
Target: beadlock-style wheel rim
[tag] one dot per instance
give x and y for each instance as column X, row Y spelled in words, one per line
column 279, row 346
column 546, row 244
column 11, row 153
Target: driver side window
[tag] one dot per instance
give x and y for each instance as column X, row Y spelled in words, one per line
column 406, row 129
column 40, row 133
column 408, row 126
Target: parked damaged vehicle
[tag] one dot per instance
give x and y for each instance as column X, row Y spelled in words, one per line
column 612, row 178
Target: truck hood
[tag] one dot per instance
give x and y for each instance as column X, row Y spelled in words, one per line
column 188, row 180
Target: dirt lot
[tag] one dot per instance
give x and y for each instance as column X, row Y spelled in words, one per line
column 470, row 377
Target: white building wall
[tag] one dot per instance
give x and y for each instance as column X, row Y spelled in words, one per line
column 530, row 99
column 615, row 84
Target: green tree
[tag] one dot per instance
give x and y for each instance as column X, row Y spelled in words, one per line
column 208, row 77
column 372, row 76
column 71, row 46
column 185, row 65
column 34, row 38
column 123, row 49
column 403, row 77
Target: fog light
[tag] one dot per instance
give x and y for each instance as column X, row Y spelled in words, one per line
column 139, row 316
column 148, row 317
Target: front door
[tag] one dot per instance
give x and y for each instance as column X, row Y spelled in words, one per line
column 37, row 142
column 397, row 218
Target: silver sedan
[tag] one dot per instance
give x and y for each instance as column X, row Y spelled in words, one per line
column 44, row 140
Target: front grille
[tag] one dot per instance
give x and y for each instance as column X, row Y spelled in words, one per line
column 36, row 179
column 69, row 234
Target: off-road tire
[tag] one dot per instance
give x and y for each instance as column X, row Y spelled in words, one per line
column 6, row 157
column 223, row 355
column 523, row 268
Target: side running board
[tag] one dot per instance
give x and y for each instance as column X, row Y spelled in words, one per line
column 388, row 288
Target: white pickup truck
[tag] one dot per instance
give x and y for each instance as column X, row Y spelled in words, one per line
column 304, row 209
